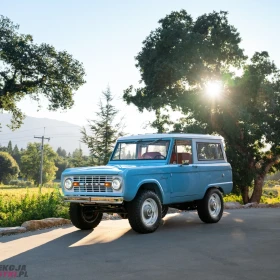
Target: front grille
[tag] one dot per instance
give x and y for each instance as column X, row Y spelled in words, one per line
column 93, row 184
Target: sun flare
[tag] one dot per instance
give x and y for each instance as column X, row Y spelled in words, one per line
column 214, row 88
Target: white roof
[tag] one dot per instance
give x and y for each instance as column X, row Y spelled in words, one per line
column 170, row 135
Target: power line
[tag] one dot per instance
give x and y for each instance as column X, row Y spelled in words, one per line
column 36, row 128
column 26, row 136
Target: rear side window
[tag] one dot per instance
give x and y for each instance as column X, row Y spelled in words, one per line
column 209, row 151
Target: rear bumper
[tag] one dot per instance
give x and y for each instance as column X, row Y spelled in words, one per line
column 94, row 199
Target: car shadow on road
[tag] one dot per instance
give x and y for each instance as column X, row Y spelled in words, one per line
column 68, row 240
column 16, row 236
column 114, row 251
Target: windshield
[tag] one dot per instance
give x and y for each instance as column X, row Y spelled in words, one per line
column 141, row 150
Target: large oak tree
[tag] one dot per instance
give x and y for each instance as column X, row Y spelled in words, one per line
column 33, row 70
column 177, row 62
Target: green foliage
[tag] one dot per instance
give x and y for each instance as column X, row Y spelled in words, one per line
column 20, row 183
column 61, row 152
column 183, row 53
column 233, row 198
column 61, row 163
column 10, row 148
column 104, row 130
column 8, row 167
column 270, row 193
column 29, row 69
column 270, row 200
column 269, row 196
column 271, row 184
column 16, row 155
column 176, row 63
column 15, row 211
column 77, row 159
column 31, row 160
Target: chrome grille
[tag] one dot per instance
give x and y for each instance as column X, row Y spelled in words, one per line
column 93, row 183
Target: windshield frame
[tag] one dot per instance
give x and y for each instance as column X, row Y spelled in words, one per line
column 140, row 143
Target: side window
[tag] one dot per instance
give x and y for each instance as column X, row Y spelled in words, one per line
column 209, row 151
column 182, row 152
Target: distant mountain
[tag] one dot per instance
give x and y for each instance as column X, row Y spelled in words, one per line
column 62, row 134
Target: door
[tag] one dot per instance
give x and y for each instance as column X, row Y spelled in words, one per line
column 183, row 172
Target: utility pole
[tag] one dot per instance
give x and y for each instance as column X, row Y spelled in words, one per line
column 42, row 156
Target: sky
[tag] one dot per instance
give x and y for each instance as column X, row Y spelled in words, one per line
column 106, row 35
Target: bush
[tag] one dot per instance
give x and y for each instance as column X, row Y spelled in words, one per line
column 270, row 192
column 9, row 168
column 15, row 211
column 49, row 185
column 233, row 198
column 14, row 182
column 28, row 184
column 20, row 183
column 268, row 200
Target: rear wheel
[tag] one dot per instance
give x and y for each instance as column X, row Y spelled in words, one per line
column 84, row 217
column 210, row 208
column 144, row 212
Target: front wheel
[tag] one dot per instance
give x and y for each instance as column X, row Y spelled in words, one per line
column 84, row 217
column 144, row 212
column 210, row 208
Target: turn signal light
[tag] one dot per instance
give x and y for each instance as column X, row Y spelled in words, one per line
column 107, row 184
column 76, row 184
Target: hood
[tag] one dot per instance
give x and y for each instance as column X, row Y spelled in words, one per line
column 92, row 170
column 117, row 169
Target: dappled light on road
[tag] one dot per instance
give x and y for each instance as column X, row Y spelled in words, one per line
column 95, row 238
column 26, row 243
column 238, row 220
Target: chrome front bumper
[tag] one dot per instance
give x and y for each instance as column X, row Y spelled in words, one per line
column 94, row 199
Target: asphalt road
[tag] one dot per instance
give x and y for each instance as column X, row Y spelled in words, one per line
column 245, row 244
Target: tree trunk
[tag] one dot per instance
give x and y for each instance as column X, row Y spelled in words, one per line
column 258, row 185
column 245, row 194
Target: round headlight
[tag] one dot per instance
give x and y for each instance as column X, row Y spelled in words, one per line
column 68, row 184
column 116, row 184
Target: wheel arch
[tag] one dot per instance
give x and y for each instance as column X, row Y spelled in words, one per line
column 151, row 186
column 215, row 187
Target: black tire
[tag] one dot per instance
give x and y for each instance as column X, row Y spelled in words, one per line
column 210, row 208
column 164, row 210
column 144, row 212
column 83, row 217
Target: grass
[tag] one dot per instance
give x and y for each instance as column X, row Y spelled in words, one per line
column 18, row 205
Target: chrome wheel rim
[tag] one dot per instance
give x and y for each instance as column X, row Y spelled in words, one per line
column 149, row 212
column 214, row 205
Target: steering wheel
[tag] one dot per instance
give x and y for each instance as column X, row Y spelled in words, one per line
column 159, row 157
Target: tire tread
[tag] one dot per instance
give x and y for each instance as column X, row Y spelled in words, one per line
column 134, row 210
column 75, row 213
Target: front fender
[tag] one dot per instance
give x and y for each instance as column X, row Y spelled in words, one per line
column 130, row 194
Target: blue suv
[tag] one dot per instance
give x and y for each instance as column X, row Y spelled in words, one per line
column 147, row 174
